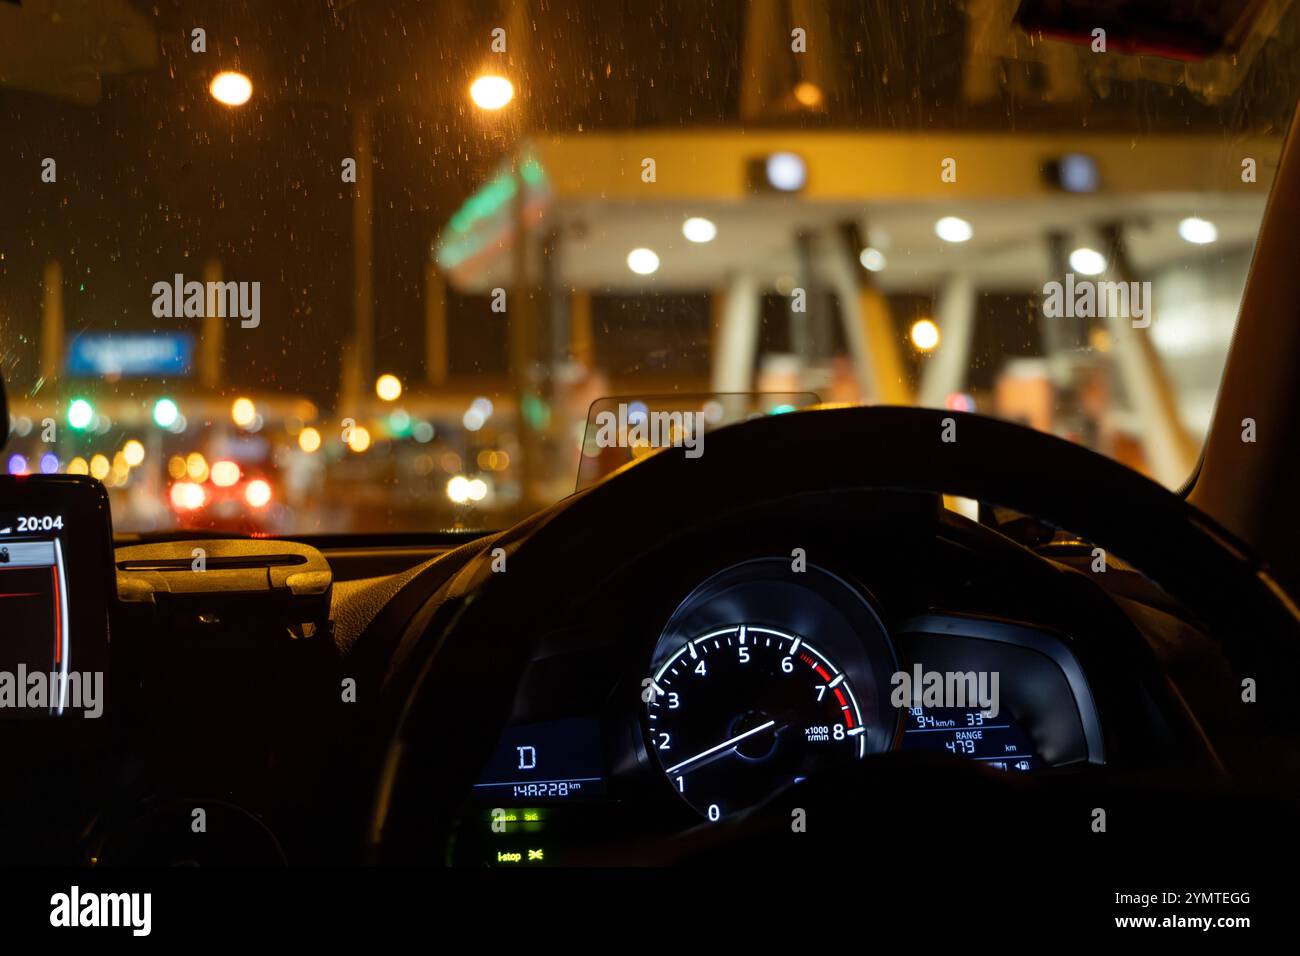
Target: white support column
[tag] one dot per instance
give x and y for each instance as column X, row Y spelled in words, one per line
column 1170, row 451
column 1171, row 454
column 842, row 280
column 869, row 332
column 737, row 340
column 945, row 370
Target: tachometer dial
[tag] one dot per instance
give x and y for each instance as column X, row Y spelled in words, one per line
column 739, row 712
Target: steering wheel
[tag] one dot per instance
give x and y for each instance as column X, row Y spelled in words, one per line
column 473, row 633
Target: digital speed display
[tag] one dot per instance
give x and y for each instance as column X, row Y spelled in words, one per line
column 968, row 732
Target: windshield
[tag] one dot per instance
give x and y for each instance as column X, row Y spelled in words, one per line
column 366, row 266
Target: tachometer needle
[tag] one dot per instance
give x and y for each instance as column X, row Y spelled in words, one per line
column 722, row 746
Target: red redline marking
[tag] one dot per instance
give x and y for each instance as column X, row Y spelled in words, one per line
column 844, row 706
column 839, row 695
column 58, row 629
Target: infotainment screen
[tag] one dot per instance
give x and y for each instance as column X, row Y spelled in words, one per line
column 55, row 584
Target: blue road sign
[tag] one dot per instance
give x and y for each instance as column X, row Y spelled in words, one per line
column 131, row 354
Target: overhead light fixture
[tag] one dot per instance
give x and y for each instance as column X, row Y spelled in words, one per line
column 1073, row 173
column 953, row 229
column 643, row 261
column 786, row 172
column 873, row 260
column 1198, row 231
column 699, row 229
column 1089, row 262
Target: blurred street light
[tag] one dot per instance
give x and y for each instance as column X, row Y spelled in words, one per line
column 185, row 495
column 458, row 489
column 388, row 387
column 243, row 412
column 133, row 452
column 257, row 493
column 809, row 95
column 225, row 473
column 359, row 439
column 491, row 92
column 230, row 88
column 925, row 334
column 196, row 466
column 309, row 439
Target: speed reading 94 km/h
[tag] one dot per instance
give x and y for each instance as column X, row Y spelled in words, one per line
column 739, row 712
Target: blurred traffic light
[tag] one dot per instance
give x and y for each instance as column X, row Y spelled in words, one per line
column 80, row 414
column 165, row 413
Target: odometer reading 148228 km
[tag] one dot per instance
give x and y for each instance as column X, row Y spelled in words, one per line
column 742, row 711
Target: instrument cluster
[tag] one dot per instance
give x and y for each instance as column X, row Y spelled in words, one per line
column 767, row 674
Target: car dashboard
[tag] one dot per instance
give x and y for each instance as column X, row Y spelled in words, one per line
column 686, row 676
column 790, row 654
